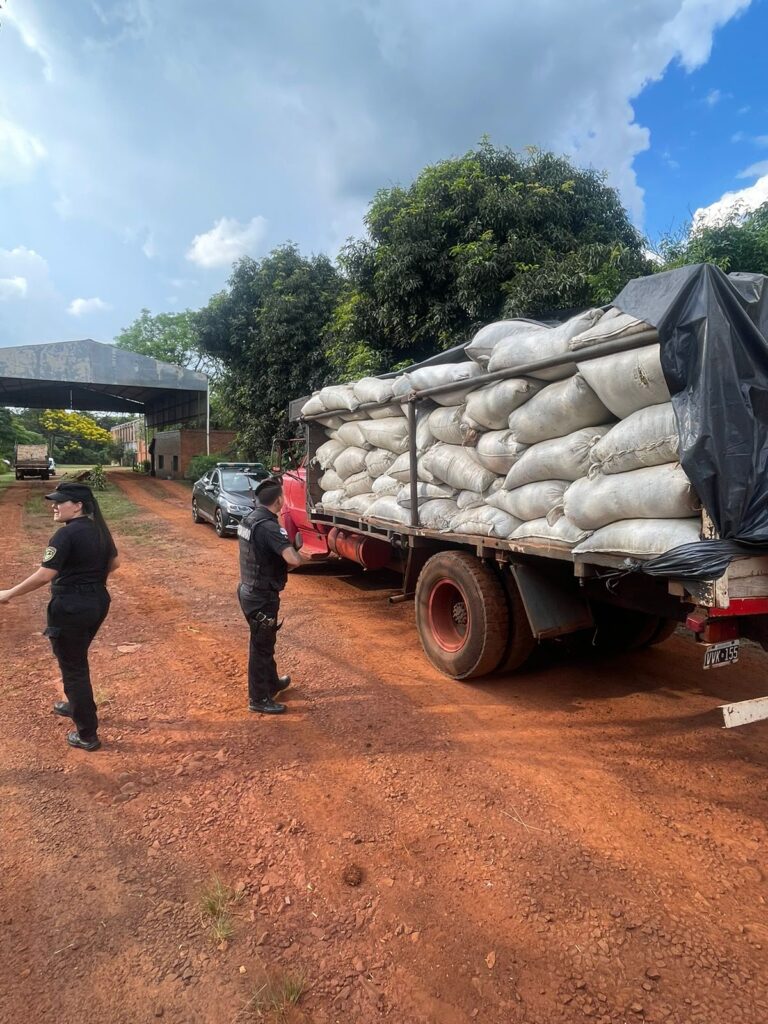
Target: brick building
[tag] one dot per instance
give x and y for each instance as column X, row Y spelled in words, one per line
column 174, row 450
column 132, row 436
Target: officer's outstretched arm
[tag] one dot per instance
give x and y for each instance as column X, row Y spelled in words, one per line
column 292, row 557
column 34, row 582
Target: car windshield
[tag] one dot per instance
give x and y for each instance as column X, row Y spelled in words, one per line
column 233, row 481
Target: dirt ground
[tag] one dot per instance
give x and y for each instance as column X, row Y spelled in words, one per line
column 577, row 843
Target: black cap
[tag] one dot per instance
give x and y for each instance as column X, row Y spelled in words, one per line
column 268, row 490
column 70, row 492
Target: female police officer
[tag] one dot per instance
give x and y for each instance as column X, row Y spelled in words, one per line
column 78, row 559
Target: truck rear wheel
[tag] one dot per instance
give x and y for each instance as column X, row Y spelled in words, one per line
column 620, row 630
column 461, row 615
column 520, row 640
column 663, row 631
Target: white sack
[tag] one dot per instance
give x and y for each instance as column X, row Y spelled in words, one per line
column 530, row 342
column 489, row 407
column 648, row 437
column 627, row 381
column 331, row 481
column 382, row 412
column 469, row 499
column 424, row 492
column 445, row 424
column 485, row 522
column 424, row 436
column 358, row 483
column 351, row 433
column 454, row 465
column 562, row 458
column 378, row 461
column 432, row 376
column 531, row 501
column 612, row 325
column 351, row 460
column 360, row 503
column 386, row 485
column 313, row 405
column 346, row 417
column 559, row 409
column 539, row 529
column 328, row 452
column 401, row 469
column 386, row 507
column 338, row 396
column 437, row 514
column 372, row 389
column 641, row 538
column 332, row 422
column 333, row 499
column 499, row 450
column 390, row 433
column 484, row 341
column 657, row 492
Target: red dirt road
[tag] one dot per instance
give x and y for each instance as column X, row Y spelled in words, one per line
column 577, row 843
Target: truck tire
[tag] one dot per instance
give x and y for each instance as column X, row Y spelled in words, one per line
column 45, row 476
column 663, row 631
column 621, row 630
column 461, row 615
column 521, row 642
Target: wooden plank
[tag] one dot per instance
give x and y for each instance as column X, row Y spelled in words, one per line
column 744, row 711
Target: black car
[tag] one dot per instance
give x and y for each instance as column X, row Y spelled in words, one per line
column 225, row 494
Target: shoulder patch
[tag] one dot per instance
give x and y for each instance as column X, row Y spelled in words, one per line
column 284, row 532
column 48, row 554
column 244, row 532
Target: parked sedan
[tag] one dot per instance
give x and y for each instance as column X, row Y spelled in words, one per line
column 225, row 494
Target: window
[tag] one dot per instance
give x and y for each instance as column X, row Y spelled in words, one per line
column 215, row 478
column 160, row 461
column 175, row 463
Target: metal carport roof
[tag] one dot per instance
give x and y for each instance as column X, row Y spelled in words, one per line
column 89, row 375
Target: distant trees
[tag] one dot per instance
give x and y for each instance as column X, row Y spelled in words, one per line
column 737, row 242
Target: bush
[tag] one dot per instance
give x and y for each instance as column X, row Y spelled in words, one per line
column 97, row 479
column 200, row 464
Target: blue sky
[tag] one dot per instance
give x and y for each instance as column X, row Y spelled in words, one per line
column 145, row 144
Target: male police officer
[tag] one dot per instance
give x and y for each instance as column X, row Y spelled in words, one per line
column 265, row 555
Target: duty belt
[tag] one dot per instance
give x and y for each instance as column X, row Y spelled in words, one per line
column 77, row 588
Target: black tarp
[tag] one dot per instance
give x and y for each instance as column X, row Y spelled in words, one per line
column 713, row 330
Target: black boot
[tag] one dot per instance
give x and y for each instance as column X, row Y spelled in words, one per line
column 61, row 707
column 283, row 682
column 74, row 740
column 267, row 706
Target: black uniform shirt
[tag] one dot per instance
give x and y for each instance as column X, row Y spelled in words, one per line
column 75, row 551
column 262, row 543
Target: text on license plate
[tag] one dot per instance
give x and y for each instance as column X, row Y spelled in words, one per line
column 718, row 655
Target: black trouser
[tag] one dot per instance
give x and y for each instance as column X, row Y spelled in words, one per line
column 74, row 618
column 262, row 671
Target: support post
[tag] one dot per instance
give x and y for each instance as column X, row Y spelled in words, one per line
column 208, row 417
column 413, row 462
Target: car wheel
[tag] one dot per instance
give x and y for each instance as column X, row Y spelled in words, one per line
column 196, row 518
column 218, row 523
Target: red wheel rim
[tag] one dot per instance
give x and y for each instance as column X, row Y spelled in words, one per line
column 449, row 618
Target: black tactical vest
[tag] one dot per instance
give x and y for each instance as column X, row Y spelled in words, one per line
column 260, row 568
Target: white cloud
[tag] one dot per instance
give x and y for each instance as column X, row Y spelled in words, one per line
column 20, row 152
column 23, row 20
column 149, row 248
column 12, row 288
column 742, row 201
column 713, row 97
column 82, row 307
column 754, row 170
column 226, row 242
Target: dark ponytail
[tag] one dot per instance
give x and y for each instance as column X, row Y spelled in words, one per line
column 92, row 510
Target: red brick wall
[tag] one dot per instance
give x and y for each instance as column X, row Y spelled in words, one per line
column 185, row 444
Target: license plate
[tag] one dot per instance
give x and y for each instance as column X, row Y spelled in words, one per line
column 718, row 655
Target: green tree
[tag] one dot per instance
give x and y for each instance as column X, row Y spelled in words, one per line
column 269, row 331
column 170, row 337
column 737, row 242
column 487, row 235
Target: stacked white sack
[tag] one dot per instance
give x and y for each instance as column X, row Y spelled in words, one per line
column 519, row 458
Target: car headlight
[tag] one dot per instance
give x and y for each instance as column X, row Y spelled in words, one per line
column 240, row 509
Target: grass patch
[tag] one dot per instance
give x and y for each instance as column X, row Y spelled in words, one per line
column 216, row 901
column 274, row 996
column 102, row 696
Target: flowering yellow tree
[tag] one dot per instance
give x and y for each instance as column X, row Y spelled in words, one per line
column 60, row 423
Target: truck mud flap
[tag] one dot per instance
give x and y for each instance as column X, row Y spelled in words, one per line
column 554, row 606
